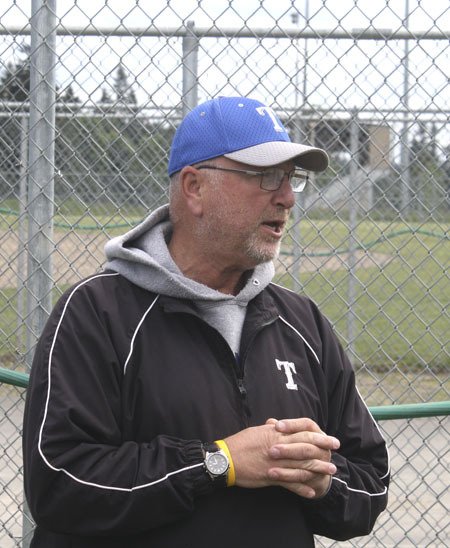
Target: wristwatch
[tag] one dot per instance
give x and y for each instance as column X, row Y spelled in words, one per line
column 216, row 463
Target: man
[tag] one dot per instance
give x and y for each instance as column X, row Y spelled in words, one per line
column 180, row 398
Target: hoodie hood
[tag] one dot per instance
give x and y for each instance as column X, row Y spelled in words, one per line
column 141, row 255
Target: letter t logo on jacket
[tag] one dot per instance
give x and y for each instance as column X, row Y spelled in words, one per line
column 288, row 368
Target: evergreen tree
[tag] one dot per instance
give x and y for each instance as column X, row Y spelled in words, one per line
column 106, row 103
column 14, row 88
column 67, row 101
column 123, row 91
column 15, row 78
column 429, row 180
column 69, row 95
column 105, row 98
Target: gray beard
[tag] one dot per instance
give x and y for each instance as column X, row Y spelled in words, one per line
column 259, row 252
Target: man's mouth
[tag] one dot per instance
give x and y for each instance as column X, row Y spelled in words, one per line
column 275, row 226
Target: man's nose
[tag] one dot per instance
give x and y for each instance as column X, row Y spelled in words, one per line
column 284, row 196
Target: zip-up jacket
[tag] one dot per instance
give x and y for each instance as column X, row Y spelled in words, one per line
column 126, row 385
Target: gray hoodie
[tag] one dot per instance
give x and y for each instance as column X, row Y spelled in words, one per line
column 141, row 255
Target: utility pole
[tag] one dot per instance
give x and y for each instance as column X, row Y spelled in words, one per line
column 299, row 136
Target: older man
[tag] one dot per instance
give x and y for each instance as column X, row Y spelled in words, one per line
column 180, row 398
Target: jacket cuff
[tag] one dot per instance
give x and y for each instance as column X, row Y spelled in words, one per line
column 202, row 483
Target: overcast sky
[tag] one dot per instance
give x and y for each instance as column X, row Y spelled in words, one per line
column 424, row 14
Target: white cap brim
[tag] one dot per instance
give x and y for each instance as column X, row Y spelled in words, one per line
column 277, row 152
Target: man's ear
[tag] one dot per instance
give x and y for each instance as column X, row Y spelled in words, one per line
column 191, row 183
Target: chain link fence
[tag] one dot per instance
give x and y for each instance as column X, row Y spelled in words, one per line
column 90, row 95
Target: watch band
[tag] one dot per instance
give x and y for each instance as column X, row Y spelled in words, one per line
column 211, row 447
column 231, row 475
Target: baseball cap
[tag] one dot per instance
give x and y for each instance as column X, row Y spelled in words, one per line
column 241, row 129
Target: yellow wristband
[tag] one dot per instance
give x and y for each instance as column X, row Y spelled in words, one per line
column 231, row 477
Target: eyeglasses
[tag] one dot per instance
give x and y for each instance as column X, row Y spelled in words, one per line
column 270, row 179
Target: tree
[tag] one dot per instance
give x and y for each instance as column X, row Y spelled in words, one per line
column 124, row 92
column 100, row 163
column 15, row 79
column 14, row 88
column 69, row 95
column 67, row 101
column 429, row 181
column 105, row 98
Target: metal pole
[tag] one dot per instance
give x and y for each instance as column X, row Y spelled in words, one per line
column 299, row 136
column 213, row 31
column 41, row 156
column 352, row 206
column 405, row 151
column 190, row 69
column 306, row 59
column 21, row 262
column 296, row 213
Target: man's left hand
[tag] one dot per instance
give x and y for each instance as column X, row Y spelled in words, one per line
column 305, row 468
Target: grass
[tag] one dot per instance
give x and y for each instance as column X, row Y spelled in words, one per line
column 397, row 387
column 399, row 309
column 73, row 215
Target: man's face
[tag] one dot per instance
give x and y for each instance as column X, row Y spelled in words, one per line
column 242, row 224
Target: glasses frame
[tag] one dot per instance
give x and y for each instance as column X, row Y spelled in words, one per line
column 301, row 174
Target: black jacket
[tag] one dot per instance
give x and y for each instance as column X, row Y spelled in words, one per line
column 126, row 385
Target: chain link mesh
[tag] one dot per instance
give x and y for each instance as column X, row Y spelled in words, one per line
column 368, row 240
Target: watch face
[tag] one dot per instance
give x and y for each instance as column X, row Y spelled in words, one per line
column 217, row 463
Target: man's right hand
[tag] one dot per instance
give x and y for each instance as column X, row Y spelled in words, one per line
column 292, row 453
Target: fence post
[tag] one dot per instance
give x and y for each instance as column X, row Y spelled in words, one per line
column 405, row 159
column 300, row 134
column 21, row 259
column 297, row 215
column 41, row 157
column 190, row 69
column 352, row 216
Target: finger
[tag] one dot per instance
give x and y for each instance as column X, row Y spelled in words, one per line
column 301, row 489
column 317, row 440
column 314, row 486
column 289, row 426
column 306, row 490
column 316, row 466
column 300, row 475
column 300, row 481
column 291, row 475
column 299, row 452
column 271, row 421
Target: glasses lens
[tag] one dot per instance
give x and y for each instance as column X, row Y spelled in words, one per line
column 272, row 179
column 298, row 180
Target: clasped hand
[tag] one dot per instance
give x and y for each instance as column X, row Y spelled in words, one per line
column 292, row 453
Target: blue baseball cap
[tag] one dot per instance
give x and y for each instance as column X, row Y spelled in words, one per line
column 243, row 130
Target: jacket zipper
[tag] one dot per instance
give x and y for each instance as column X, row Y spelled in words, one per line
column 237, row 366
column 239, row 373
column 244, row 401
column 242, row 389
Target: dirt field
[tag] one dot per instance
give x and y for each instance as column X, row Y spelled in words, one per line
column 76, row 255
